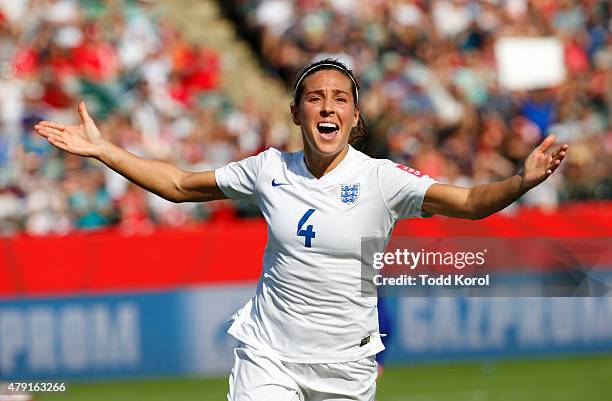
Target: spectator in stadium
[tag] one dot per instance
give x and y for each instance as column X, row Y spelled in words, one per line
column 308, row 333
column 427, row 68
column 147, row 81
column 439, row 58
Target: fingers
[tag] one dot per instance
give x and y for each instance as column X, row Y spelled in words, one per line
column 547, row 143
column 560, row 153
column 40, row 131
column 561, row 148
column 556, row 158
column 551, row 167
column 53, row 135
column 58, row 142
column 47, row 131
column 83, row 112
column 51, row 124
column 554, row 166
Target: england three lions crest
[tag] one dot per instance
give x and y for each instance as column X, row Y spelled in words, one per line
column 349, row 193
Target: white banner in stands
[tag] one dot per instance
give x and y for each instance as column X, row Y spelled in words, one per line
column 525, row 63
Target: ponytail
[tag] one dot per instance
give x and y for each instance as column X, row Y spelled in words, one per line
column 359, row 138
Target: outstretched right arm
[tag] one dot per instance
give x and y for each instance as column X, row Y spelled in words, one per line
column 161, row 178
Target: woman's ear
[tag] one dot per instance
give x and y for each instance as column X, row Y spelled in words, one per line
column 356, row 119
column 294, row 114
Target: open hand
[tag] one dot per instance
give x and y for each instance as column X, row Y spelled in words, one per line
column 83, row 139
column 540, row 164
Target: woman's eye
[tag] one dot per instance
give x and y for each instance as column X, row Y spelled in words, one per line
column 341, row 99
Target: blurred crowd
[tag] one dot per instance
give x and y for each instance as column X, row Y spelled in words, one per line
column 430, row 95
column 431, row 90
column 151, row 90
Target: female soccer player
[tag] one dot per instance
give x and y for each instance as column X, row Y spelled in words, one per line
column 308, row 334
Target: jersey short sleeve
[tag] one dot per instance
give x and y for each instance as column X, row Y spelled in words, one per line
column 403, row 189
column 238, row 180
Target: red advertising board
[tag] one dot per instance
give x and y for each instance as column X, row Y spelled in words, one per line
column 226, row 251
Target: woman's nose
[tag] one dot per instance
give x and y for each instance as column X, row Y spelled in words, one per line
column 326, row 107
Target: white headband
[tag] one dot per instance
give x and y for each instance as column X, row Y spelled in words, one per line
column 314, row 67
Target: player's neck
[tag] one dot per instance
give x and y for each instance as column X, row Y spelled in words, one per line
column 319, row 164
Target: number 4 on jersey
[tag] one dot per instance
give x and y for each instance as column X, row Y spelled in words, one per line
column 308, row 233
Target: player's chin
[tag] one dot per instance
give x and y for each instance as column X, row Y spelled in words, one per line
column 329, row 148
column 330, row 144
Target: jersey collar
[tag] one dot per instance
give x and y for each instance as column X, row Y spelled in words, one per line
column 336, row 170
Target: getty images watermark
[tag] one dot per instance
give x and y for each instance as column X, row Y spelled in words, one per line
column 486, row 266
column 417, row 260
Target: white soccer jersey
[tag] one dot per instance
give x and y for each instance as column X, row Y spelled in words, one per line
column 308, row 306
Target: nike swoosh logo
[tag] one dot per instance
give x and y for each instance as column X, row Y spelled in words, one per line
column 278, row 184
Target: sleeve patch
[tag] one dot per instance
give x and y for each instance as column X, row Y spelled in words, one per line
column 410, row 170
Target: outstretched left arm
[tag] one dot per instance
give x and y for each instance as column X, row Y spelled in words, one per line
column 483, row 200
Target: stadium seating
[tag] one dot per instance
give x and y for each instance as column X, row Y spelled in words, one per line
column 179, row 84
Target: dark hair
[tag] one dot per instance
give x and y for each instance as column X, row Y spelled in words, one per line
column 359, row 134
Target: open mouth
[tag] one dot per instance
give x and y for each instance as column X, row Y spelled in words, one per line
column 328, row 130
